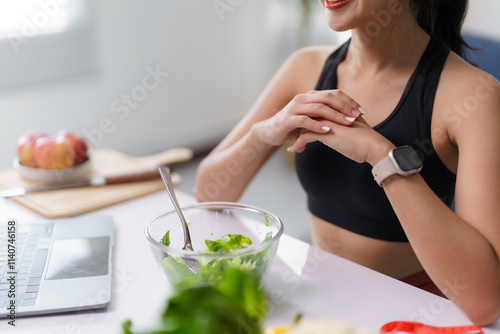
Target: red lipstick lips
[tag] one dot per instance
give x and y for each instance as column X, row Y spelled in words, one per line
column 335, row 4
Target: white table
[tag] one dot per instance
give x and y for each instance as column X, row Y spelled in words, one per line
column 302, row 280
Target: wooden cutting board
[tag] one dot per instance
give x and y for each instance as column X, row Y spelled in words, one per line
column 105, row 162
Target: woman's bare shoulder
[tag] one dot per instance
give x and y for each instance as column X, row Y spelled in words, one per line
column 316, row 51
column 462, row 80
column 465, row 94
column 312, row 56
column 307, row 63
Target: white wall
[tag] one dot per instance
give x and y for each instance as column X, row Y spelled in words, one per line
column 482, row 18
column 213, row 78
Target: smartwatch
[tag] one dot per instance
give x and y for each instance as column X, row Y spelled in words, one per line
column 402, row 160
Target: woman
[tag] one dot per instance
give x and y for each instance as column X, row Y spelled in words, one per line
column 394, row 84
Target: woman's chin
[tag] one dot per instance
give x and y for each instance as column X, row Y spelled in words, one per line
column 337, row 25
column 343, row 20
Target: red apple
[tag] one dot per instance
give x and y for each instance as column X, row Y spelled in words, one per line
column 54, row 153
column 26, row 148
column 79, row 145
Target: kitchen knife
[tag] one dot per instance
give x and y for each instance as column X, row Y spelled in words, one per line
column 96, row 181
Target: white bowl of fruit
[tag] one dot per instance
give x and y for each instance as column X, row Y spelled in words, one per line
column 59, row 158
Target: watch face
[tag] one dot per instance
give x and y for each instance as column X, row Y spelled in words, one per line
column 407, row 158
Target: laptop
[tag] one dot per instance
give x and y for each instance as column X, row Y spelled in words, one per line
column 55, row 265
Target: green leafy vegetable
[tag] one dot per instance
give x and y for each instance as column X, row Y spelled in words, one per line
column 212, row 271
column 235, row 304
column 269, row 235
column 236, row 241
column 166, row 239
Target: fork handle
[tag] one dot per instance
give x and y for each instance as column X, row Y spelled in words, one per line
column 167, row 180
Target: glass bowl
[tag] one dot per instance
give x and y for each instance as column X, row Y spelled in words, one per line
column 214, row 221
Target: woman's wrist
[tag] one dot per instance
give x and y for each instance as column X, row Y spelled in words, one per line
column 259, row 136
column 379, row 152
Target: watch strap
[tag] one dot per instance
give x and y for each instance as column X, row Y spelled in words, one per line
column 384, row 169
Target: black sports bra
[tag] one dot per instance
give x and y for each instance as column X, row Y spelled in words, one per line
column 342, row 191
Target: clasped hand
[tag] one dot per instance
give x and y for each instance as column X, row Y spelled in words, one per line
column 329, row 116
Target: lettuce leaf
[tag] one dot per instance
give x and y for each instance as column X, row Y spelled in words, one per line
column 166, row 239
column 235, row 241
column 235, row 304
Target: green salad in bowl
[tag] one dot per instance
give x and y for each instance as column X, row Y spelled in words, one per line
column 223, row 235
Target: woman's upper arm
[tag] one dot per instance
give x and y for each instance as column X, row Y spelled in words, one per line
column 478, row 140
column 298, row 74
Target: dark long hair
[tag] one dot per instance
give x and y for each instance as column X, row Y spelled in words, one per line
column 443, row 19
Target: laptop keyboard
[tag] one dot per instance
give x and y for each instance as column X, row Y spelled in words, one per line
column 32, row 248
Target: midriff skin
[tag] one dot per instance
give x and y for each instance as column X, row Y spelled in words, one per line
column 395, row 259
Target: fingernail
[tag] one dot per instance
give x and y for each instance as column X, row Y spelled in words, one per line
column 361, row 110
column 289, row 149
column 349, row 119
column 325, row 128
column 355, row 113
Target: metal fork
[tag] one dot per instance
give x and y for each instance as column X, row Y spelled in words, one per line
column 191, row 264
